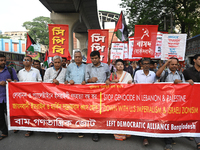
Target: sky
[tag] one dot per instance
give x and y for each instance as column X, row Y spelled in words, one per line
column 13, row 13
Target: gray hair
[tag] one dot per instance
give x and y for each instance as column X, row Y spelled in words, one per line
column 77, row 51
column 57, row 57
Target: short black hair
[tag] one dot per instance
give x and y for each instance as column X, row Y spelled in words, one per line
column 64, row 58
column 152, row 62
column 119, row 60
column 36, row 61
column 95, row 53
column 196, row 56
column 174, row 58
column 145, row 59
column 1, row 55
column 29, row 57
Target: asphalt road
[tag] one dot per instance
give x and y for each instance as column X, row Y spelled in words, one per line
column 49, row 141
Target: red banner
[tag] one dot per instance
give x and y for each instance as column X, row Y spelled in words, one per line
column 145, row 40
column 156, row 110
column 59, row 40
column 98, row 41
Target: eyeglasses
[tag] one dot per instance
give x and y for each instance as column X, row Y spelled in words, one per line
column 26, row 60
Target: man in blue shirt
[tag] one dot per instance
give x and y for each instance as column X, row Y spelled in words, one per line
column 5, row 75
column 76, row 71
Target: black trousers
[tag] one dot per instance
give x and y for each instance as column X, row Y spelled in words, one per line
column 3, row 126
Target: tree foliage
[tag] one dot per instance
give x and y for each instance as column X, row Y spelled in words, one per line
column 38, row 29
column 183, row 13
column 4, row 37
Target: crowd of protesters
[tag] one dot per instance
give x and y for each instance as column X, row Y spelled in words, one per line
column 61, row 71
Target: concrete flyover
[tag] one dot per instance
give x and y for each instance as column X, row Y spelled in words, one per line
column 80, row 15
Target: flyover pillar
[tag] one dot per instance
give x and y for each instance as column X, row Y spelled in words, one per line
column 69, row 19
column 82, row 37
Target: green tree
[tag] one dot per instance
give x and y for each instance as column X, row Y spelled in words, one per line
column 38, row 29
column 4, row 37
column 184, row 13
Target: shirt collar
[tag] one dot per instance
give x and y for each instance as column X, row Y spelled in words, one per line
column 29, row 70
column 169, row 71
column 55, row 69
column 145, row 74
column 101, row 65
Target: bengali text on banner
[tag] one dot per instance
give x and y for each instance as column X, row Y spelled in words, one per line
column 154, row 110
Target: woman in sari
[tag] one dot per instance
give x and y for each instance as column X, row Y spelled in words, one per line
column 120, row 76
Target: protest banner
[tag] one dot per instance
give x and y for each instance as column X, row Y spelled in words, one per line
column 145, row 40
column 158, row 50
column 155, row 110
column 173, row 45
column 59, row 40
column 126, row 52
column 117, row 50
column 131, row 46
column 98, row 41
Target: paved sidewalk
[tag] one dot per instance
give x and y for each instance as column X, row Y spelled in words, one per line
column 48, row 141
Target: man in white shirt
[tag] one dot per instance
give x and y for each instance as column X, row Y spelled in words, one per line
column 145, row 76
column 55, row 74
column 29, row 74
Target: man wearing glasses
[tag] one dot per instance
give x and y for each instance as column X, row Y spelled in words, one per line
column 145, row 76
column 29, row 74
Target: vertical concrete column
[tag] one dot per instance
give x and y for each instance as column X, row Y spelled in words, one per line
column 82, row 37
column 69, row 19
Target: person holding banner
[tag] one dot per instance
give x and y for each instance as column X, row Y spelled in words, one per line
column 170, row 75
column 6, row 74
column 120, row 76
column 29, row 74
column 192, row 75
column 145, row 76
column 55, row 74
column 97, row 72
column 76, row 71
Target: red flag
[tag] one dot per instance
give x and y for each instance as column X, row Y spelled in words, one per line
column 145, row 40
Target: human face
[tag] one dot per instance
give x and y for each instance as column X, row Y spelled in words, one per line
column 197, row 61
column 120, row 66
column 64, row 62
column 126, row 62
column 27, row 61
column 95, row 60
column 173, row 65
column 146, row 65
column 36, row 65
column 2, row 62
column 57, row 63
column 68, row 62
column 78, row 58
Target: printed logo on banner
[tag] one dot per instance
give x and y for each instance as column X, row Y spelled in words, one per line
column 145, row 40
column 173, row 45
column 58, row 40
column 98, row 41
